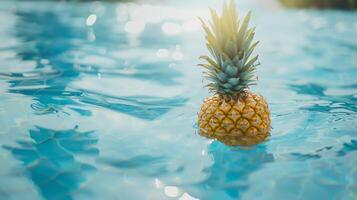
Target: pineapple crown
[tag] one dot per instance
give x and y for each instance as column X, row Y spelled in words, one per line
column 231, row 70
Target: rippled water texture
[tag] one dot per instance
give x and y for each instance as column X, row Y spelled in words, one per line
column 100, row 101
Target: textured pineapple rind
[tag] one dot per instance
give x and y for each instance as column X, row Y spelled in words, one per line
column 245, row 121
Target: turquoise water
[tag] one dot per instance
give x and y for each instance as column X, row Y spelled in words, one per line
column 100, row 101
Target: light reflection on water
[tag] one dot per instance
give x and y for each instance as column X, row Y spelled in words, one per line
column 99, row 101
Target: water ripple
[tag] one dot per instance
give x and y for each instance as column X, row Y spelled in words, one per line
column 336, row 102
column 51, row 159
column 33, row 75
column 143, row 107
column 348, row 148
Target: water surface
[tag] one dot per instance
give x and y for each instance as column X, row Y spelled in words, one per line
column 100, row 101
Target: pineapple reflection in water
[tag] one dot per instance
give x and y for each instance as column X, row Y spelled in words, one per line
column 233, row 115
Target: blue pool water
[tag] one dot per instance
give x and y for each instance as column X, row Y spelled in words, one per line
column 100, row 101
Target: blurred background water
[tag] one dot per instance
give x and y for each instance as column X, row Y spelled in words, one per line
column 99, row 100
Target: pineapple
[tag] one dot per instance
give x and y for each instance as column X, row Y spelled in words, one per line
column 233, row 115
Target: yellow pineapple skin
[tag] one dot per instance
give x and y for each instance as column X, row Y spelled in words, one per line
column 244, row 121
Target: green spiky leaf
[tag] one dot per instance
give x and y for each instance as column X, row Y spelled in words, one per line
column 230, row 41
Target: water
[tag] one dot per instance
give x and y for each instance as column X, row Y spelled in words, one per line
column 100, row 101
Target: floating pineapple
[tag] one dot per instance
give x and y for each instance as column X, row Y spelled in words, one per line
column 233, row 115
